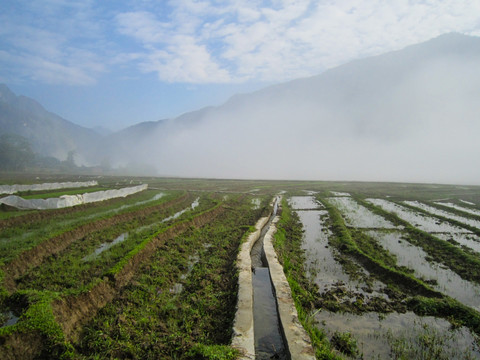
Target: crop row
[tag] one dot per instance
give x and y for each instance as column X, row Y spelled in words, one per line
column 65, row 289
column 181, row 303
column 27, row 255
column 366, row 260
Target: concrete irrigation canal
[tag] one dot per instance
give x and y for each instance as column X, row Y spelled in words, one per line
column 266, row 323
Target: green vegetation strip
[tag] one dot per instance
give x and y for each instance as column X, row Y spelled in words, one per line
column 465, row 264
column 59, row 240
column 77, row 265
column 287, row 243
column 373, row 258
column 20, row 237
column 180, row 303
column 39, row 314
column 423, row 300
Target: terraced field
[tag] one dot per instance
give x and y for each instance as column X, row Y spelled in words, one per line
column 376, row 270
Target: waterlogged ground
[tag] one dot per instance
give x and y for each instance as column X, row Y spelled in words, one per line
column 418, row 219
column 435, row 211
column 378, row 334
column 321, row 261
column 357, row 215
column 468, row 210
column 438, row 276
column 153, row 275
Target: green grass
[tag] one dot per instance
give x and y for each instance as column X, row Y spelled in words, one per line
column 464, row 263
column 149, row 318
column 68, row 271
column 152, row 319
column 22, row 237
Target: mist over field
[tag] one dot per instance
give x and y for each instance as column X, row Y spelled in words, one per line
column 404, row 116
column 410, row 115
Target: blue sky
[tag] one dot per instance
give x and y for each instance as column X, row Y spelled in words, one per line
column 116, row 63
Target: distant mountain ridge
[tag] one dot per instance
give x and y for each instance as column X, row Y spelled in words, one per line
column 48, row 133
column 407, row 115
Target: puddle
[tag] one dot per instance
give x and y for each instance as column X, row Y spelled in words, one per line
column 105, row 246
column 268, row 334
column 468, row 240
column 320, row 262
column 11, row 319
column 375, row 334
column 256, row 203
column 446, row 214
column 461, row 208
column 338, row 193
column 447, row 281
column 419, row 220
column 304, row 203
column 181, row 212
column 358, row 216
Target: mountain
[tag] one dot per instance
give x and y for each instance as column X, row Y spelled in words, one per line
column 47, row 133
column 408, row 115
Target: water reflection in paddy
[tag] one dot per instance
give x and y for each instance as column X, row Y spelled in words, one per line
column 320, row 262
column 320, row 258
column 448, row 282
column 358, row 216
column 304, row 202
column 421, row 221
column 376, row 333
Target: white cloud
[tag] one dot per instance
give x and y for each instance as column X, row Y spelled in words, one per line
column 280, row 40
column 173, row 53
column 186, row 61
column 53, row 42
column 213, row 41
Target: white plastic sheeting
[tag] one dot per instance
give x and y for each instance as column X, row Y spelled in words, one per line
column 70, row 200
column 12, row 189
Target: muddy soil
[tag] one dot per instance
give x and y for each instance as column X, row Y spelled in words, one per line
column 376, row 319
column 376, row 333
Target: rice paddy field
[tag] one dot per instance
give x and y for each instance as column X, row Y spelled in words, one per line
column 376, row 270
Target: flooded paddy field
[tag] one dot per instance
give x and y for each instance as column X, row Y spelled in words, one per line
column 377, row 271
column 368, row 312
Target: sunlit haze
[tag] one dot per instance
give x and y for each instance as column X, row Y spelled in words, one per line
column 328, row 90
column 115, row 64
